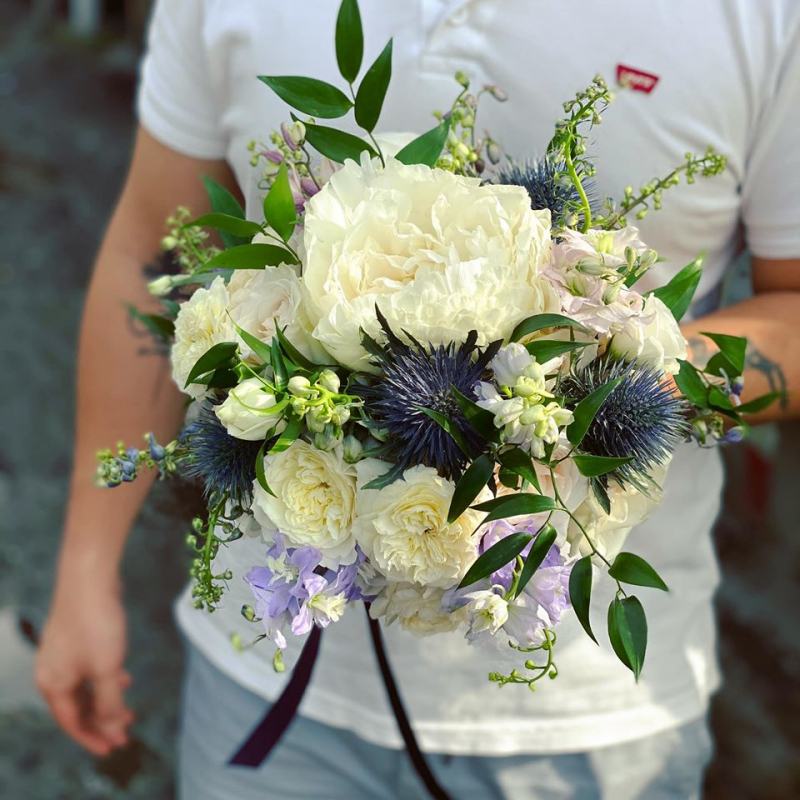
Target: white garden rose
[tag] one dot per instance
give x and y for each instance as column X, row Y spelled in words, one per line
column 608, row 532
column 248, row 412
column 439, row 253
column 313, row 501
column 403, row 527
column 201, row 323
column 260, row 298
column 418, row 609
column 653, row 338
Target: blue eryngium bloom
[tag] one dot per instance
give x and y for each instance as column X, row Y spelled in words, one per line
column 641, row 419
column 225, row 464
column 414, row 376
column 547, row 184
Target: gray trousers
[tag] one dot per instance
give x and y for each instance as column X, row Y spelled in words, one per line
column 314, row 761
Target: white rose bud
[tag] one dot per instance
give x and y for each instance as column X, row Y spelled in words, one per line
column 160, row 286
column 245, row 412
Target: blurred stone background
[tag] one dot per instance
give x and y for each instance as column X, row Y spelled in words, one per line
column 65, row 133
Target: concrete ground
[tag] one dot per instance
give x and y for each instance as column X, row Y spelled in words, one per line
column 65, row 129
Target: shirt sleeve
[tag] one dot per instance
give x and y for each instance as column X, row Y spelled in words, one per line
column 771, row 188
column 175, row 100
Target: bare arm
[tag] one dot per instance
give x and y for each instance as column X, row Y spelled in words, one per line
column 769, row 320
column 122, row 393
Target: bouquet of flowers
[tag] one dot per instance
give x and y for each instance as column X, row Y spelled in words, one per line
column 426, row 377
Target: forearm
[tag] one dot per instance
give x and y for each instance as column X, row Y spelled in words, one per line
column 770, row 323
column 124, row 389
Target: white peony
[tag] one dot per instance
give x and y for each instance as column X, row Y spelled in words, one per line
column 418, row 609
column 653, row 338
column 439, row 253
column 201, row 323
column 260, row 298
column 313, row 501
column 249, row 411
column 403, row 527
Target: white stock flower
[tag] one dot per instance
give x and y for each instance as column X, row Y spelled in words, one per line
column 418, row 609
column 261, row 297
column 439, row 253
column 596, row 252
column 403, row 527
column 652, row 338
column 245, row 412
column 313, row 501
column 201, row 323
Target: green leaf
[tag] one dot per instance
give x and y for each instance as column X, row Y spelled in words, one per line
column 161, row 327
column 539, row 550
column 520, row 463
column 278, row 365
column 540, row 321
column 759, row 403
column 337, row 145
column 392, row 475
column 580, row 592
column 719, row 400
column 349, row 40
column 427, row 148
column 443, row 422
column 250, row 256
column 214, row 357
column 585, row 411
column 290, row 433
column 222, row 378
column 593, row 466
column 678, row 293
column 515, row 505
column 223, row 202
column 627, row 630
column 496, row 557
column 601, row 494
column 309, row 95
column 691, row 385
column 633, row 569
column 476, row 476
column 261, row 475
column 479, row 418
column 733, row 348
column 279, row 210
column 372, row 91
column 262, row 350
column 241, row 228
column 293, row 354
column 545, row 349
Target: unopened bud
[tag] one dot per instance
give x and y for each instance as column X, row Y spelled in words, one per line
column 329, row 380
column 299, row 385
column 493, row 152
column 160, row 286
column 294, row 134
column 495, row 91
column 351, row 449
column 462, row 79
column 248, row 613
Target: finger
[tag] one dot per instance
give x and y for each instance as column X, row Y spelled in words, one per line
column 66, row 710
column 110, row 714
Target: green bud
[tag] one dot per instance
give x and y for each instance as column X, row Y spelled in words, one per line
column 462, row 79
column 351, row 449
column 248, row 613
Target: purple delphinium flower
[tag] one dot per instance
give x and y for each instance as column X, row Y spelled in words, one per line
column 292, row 591
column 522, row 619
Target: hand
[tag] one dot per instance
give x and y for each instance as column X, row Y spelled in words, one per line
column 80, row 664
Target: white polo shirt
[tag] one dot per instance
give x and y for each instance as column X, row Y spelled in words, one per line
column 721, row 72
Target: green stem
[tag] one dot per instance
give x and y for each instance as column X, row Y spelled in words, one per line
column 573, row 174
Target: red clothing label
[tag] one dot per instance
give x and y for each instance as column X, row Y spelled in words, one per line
column 636, row 79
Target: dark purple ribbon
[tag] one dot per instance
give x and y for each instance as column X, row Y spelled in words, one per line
column 268, row 732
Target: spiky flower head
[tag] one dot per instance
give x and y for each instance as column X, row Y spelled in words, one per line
column 548, row 186
column 641, row 419
column 413, row 377
column 224, row 464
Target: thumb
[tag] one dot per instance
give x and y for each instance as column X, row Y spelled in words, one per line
column 110, row 714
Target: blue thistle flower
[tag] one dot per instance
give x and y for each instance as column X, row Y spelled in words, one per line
column 547, row 184
column 641, row 418
column 225, row 464
column 413, row 377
